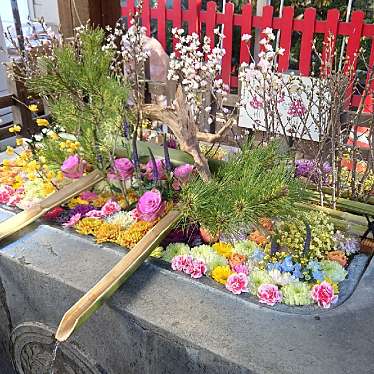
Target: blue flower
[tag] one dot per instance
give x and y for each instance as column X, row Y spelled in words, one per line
column 258, row 255
column 297, row 271
column 276, row 265
column 318, row 275
column 287, row 264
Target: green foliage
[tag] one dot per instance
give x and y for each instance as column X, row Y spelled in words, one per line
column 85, row 99
column 254, row 183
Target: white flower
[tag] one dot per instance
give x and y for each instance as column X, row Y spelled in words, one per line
column 281, row 51
column 246, row 37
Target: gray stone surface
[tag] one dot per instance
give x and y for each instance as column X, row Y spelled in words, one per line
column 163, row 322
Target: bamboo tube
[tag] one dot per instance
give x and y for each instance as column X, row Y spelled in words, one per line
column 23, row 219
column 81, row 311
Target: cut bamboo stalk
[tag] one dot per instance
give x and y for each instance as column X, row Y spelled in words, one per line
column 25, row 218
column 81, row 311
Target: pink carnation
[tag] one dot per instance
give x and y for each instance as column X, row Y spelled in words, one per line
column 198, row 269
column 109, row 208
column 94, row 214
column 150, row 206
column 269, row 294
column 237, row 283
column 181, row 175
column 88, row 195
column 73, row 220
column 73, row 167
column 241, row 268
column 6, row 192
column 181, row 263
column 160, row 170
column 323, row 294
column 123, row 169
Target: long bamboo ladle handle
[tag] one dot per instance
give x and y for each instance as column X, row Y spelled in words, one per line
column 23, row 219
column 81, row 311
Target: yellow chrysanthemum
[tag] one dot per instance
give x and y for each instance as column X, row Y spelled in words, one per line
column 33, row 108
column 88, row 226
column 221, row 273
column 224, row 249
column 77, row 201
column 15, row 128
column 42, row 122
column 107, row 233
column 128, row 238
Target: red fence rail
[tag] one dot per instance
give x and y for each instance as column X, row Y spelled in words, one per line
column 308, row 27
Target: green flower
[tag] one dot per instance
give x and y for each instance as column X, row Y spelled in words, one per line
column 175, row 249
column 296, row 293
column 258, row 277
column 207, row 254
column 245, row 247
column 157, row 252
column 333, row 270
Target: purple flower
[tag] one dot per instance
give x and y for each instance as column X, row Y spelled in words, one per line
column 189, row 235
column 122, row 169
column 82, row 209
column 160, row 171
column 309, row 169
column 73, row 167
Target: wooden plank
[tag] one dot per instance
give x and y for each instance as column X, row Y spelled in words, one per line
column 66, row 17
column 305, row 57
column 6, row 101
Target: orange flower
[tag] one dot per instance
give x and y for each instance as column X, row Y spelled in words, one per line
column 338, row 256
column 236, row 259
column 258, row 238
column 266, row 223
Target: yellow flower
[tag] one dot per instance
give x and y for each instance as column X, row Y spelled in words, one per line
column 77, row 201
column 42, row 122
column 157, row 252
column 47, row 188
column 33, row 108
column 224, row 249
column 9, row 151
column 59, row 176
column 15, row 128
column 99, row 201
column 88, row 226
column 131, row 236
column 107, row 233
column 221, row 273
column 53, row 135
column 19, row 142
column 7, row 162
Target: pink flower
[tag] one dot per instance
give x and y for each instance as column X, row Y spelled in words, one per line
column 73, row 167
column 237, row 283
column 94, row 214
column 88, row 195
column 150, row 206
column 181, row 175
column 198, row 269
column 123, row 169
column 323, row 294
column 255, row 103
column 269, row 294
column 73, row 220
column 296, row 108
column 109, row 208
column 160, row 170
column 181, row 263
column 6, row 192
column 241, row 268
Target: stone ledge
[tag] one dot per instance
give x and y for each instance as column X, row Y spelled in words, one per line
column 161, row 322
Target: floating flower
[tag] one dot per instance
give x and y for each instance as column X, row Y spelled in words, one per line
column 175, row 249
column 77, row 201
column 221, row 273
column 236, row 259
column 150, row 206
column 189, row 235
column 333, row 270
column 198, row 269
column 42, row 122
column 183, row 263
column 94, row 213
column 296, row 293
column 88, row 196
column 181, row 175
column 83, row 209
column 73, row 220
column 131, row 236
column 53, row 214
column 258, row 238
column 33, row 108
column 123, row 219
column 109, row 208
column 258, row 277
column 245, row 247
column 107, row 232
column 160, row 166
column 237, row 283
column 6, row 192
column 224, row 249
column 157, row 252
column 323, row 294
column 210, row 257
column 241, row 268
column 122, row 169
column 88, row 226
column 279, row 278
column 73, row 167
column 338, row 256
column 269, row 294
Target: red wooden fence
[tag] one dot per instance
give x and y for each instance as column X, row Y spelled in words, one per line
column 308, row 27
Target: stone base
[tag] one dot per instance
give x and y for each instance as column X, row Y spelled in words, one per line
column 163, row 322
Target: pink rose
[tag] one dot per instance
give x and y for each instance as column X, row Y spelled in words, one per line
column 88, row 195
column 323, row 294
column 237, row 283
column 150, row 206
column 269, row 294
column 160, row 170
column 109, row 208
column 123, row 169
column 181, row 175
column 73, row 167
column 73, row 220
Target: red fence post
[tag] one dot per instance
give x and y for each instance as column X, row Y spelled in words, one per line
column 246, row 28
column 285, row 38
column 210, row 21
column 160, row 15
column 228, row 22
column 146, row 16
column 331, row 34
column 309, row 23
column 175, row 15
